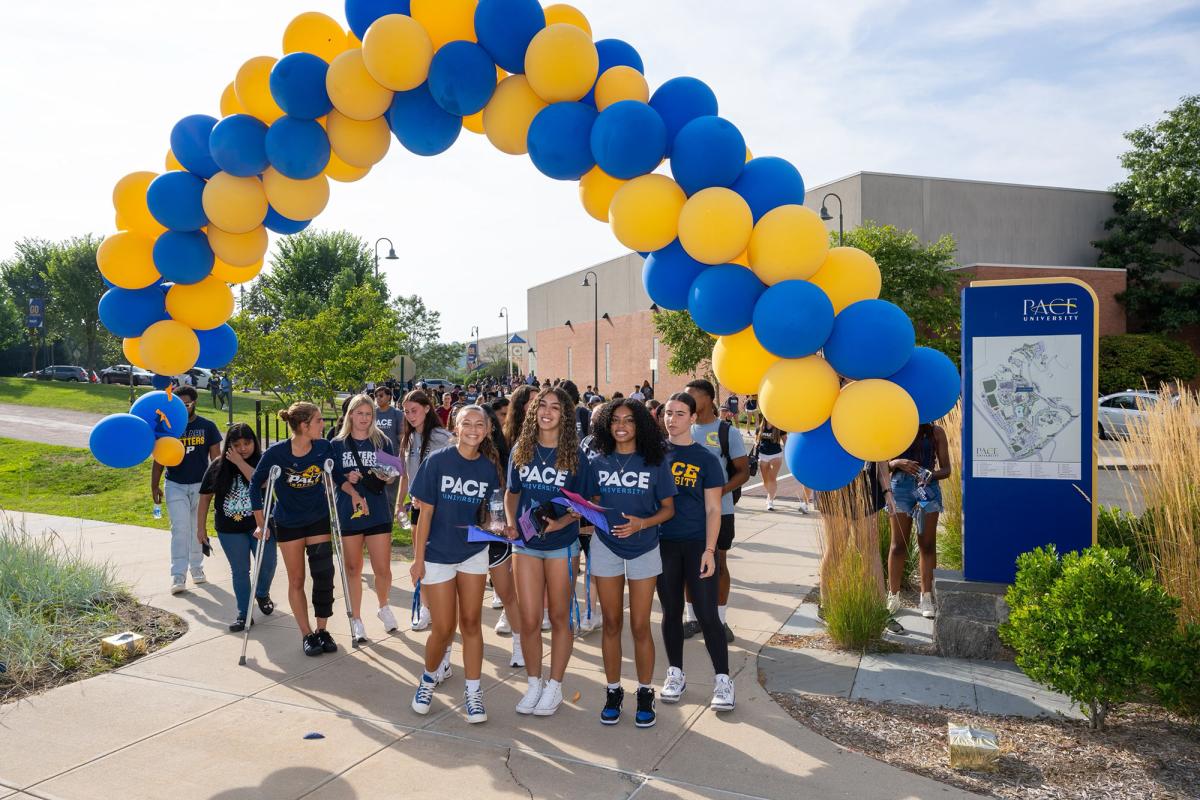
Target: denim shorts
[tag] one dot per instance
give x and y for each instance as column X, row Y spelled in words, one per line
column 546, row 555
column 904, row 495
column 607, row 564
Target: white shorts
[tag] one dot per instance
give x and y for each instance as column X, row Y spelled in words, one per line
column 769, row 457
column 440, row 573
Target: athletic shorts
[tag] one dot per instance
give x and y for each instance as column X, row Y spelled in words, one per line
column 318, row 527
column 607, row 564
column 725, row 537
column 498, row 553
column 770, row 457
column 375, row 531
column 440, row 573
column 585, row 543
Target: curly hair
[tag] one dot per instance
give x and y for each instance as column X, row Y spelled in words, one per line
column 567, row 458
column 518, row 401
column 647, row 437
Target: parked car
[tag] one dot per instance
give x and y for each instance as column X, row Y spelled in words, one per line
column 119, row 373
column 200, row 377
column 59, row 372
column 1119, row 411
column 440, row 384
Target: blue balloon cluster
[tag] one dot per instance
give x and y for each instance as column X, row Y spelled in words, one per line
column 298, row 148
column 709, row 151
column 218, row 346
column 297, row 83
column 668, row 275
column 933, row 382
column 560, row 140
column 462, row 78
column 870, row 339
column 817, row 461
column 278, row 223
column 239, row 145
column 420, row 124
column 190, row 144
column 183, row 257
column 768, row 182
column 628, row 139
column 121, row 441
column 793, row 319
column 361, row 13
column 614, row 53
column 722, row 298
column 128, row 312
column 681, row 100
column 176, row 200
column 505, row 28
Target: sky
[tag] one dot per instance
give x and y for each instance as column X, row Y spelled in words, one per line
column 1037, row 92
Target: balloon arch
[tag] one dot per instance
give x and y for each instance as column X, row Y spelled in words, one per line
column 725, row 235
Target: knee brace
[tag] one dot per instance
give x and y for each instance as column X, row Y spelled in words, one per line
column 320, row 566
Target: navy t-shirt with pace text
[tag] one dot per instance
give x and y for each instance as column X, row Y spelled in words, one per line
column 456, row 487
column 694, row 469
column 300, row 491
column 626, row 484
column 540, row 481
column 198, row 436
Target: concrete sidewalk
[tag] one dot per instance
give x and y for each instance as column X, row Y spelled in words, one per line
column 187, row 722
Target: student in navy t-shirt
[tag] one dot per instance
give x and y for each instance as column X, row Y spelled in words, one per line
column 688, row 543
column 364, row 514
column 454, row 486
column 629, row 476
column 300, row 519
column 545, row 460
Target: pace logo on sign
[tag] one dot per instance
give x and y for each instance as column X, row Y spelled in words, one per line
column 1058, row 309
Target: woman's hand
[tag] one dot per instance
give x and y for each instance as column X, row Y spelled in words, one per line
column 260, row 534
column 417, row 571
column 234, row 457
column 558, row 523
column 511, row 533
column 708, row 564
column 905, row 465
column 626, row 529
column 202, row 536
column 357, row 502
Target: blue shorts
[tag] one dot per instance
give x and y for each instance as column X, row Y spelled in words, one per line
column 545, row 555
column 904, row 495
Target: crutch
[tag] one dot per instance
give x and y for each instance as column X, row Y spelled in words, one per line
column 268, row 511
column 335, row 521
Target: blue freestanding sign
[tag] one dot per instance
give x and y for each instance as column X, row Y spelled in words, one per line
column 1029, row 354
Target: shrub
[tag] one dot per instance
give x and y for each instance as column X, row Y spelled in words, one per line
column 1118, row 528
column 855, row 610
column 1128, row 360
column 1176, row 673
column 1088, row 626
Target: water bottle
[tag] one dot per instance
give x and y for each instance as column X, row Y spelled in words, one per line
column 496, row 519
column 157, row 511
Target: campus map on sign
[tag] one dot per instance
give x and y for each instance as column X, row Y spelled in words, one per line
column 1026, row 402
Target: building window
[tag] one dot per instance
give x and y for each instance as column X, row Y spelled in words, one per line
column 607, row 362
column 570, row 364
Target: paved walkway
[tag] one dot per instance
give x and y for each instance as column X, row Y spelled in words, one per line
column 48, row 425
column 187, row 722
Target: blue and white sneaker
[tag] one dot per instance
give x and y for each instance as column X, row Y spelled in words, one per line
column 645, row 716
column 474, row 704
column 423, row 699
column 611, row 714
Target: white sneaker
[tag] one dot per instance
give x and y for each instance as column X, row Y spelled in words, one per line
column 357, row 631
column 178, row 584
column 387, row 618
column 444, row 670
column 474, row 704
column 545, row 620
column 722, row 699
column 551, row 699
column 423, row 699
column 893, row 602
column 502, row 625
column 587, row 623
column 497, row 603
column 518, row 658
column 532, row 695
column 424, row 619
column 803, row 507
column 926, row 607
column 198, row 577
column 673, row 686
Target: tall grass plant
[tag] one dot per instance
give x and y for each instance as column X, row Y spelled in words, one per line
column 852, row 588
column 950, row 525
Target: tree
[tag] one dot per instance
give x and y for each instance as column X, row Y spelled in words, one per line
column 12, row 320
column 1155, row 229
column 305, row 271
column 691, row 348
column 440, row 360
column 77, row 287
column 25, row 277
column 422, row 327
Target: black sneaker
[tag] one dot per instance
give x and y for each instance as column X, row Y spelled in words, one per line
column 238, row 625
column 328, row 644
column 312, row 645
column 690, row 628
column 645, row 716
column 611, row 714
column 265, row 605
column 728, row 634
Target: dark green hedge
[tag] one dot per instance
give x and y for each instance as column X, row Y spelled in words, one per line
column 1128, row 360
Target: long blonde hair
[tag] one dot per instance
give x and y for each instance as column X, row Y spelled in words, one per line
column 377, row 437
column 487, row 448
column 567, row 457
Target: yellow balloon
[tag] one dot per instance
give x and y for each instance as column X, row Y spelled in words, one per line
column 508, row 114
column 570, row 15
column 232, row 274
column 874, row 420
column 621, row 83
column 740, row 362
column 297, row 200
column 847, row 276
column 742, row 260
column 129, row 200
column 172, row 163
column 127, row 260
column 252, row 86
column 788, row 243
column 644, row 213
column 352, row 89
column 749, row 155
column 201, row 306
column 474, row 122
column 316, row 33
column 446, row 20
column 561, row 63
column 168, row 451
column 238, row 249
column 132, row 348
column 229, row 102
column 397, row 51
column 169, row 347
column 358, row 143
column 715, row 225
column 340, row 171
column 596, row 190
column 233, row 204
column 797, row 394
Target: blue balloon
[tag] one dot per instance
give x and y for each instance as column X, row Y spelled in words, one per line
column 280, row 224
column 239, row 145
column 128, row 312
column 613, row 53
column 769, row 182
column 174, row 417
column 709, row 151
column 933, row 382
column 183, row 257
column 792, row 319
column 505, row 28
column 629, row 139
column 722, row 298
column 681, row 100
column 217, row 347
column 462, row 78
column 668, row 275
column 361, row 13
column 160, row 382
column 298, row 86
column 175, row 199
column 298, row 148
column 189, row 143
column 817, row 461
column 420, row 124
column 121, row 441
column 560, row 140
column 870, row 339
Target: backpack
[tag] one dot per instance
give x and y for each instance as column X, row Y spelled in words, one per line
column 723, row 439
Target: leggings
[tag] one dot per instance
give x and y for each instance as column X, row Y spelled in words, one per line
column 681, row 564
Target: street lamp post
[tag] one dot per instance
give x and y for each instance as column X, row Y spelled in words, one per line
column 595, row 284
column 826, row 216
column 391, row 256
column 475, row 335
column 507, row 346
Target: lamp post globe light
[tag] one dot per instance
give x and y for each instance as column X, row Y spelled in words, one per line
column 826, row 216
column 391, row 256
column 507, row 346
column 595, row 284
